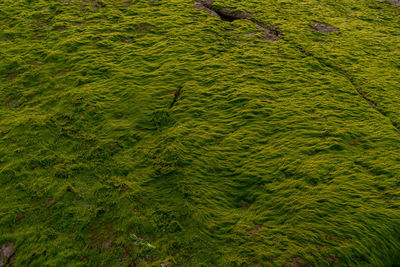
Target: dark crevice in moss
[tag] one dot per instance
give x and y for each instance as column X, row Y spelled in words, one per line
column 176, row 97
column 352, row 81
column 271, row 33
column 225, row 14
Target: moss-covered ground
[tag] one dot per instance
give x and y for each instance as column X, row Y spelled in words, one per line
column 148, row 132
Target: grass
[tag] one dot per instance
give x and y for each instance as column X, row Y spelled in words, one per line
column 274, row 153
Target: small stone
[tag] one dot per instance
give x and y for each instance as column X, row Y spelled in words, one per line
column 7, row 249
column 206, row 3
column 256, row 230
column 113, row 146
column 6, row 253
column 333, row 260
column 48, row 201
column 106, row 245
column 322, row 27
column 167, row 264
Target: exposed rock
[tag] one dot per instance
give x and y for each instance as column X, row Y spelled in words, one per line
column 205, row 6
column 6, row 253
column 256, row 230
column 127, row 40
column 225, row 14
column 167, row 264
column 230, row 15
column 322, row 27
column 394, row 2
column 206, row 3
column 271, row 33
column 105, row 245
column 333, row 260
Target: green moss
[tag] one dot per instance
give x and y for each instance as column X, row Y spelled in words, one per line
column 271, row 154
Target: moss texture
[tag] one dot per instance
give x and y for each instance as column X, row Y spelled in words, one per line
column 272, row 153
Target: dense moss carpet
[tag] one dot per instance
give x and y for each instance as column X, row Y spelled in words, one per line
column 148, row 132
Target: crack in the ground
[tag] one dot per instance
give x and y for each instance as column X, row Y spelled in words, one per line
column 351, row 80
column 271, row 33
column 177, row 94
column 223, row 13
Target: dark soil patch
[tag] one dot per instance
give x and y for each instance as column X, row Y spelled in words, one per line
column 322, row 27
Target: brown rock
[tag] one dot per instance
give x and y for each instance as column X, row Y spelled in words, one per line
column 105, row 245
column 6, row 253
column 167, row 264
column 333, row 260
column 323, row 28
column 256, row 230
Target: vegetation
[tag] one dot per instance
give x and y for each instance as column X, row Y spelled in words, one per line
column 151, row 132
